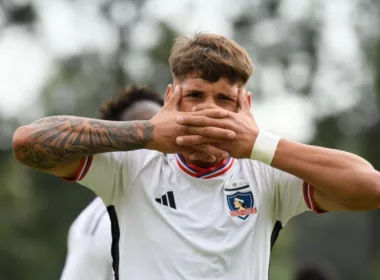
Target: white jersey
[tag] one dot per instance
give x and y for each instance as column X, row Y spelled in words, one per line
column 89, row 245
column 180, row 222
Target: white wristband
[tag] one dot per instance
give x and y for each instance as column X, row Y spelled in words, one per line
column 265, row 146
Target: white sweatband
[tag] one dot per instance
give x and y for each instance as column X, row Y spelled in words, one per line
column 265, row 146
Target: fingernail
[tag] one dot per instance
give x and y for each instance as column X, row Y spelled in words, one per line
column 225, row 155
column 192, row 157
column 231, row 135
column 212, row 159
column 194, row 109
column 177, row 89
column 180, row 119
column 223, row 114
column 179, row 140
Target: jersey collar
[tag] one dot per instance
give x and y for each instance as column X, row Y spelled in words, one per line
column 205, row 173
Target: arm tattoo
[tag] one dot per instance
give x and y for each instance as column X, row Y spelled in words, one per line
column 59, row 140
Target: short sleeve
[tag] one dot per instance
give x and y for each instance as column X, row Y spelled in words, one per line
column 289, row 197
column 110, row 173
column 293, row 196
column 100, row 173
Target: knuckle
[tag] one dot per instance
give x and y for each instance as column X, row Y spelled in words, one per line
column 183, row 130
column 220, row 133
column 207, row 131
column 229, row 124
column 214, row 113
column 180, row 130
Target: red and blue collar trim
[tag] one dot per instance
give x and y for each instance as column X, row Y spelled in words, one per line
column 205, row 173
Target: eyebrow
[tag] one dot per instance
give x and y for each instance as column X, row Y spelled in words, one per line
column 194, row 91
column 202, row 92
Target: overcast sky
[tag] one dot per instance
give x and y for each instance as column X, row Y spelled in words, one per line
column 27, row 62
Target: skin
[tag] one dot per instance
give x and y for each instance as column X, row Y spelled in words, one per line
column 57, row 145
column 341, row 180
column 197, row 92
column 205, row 122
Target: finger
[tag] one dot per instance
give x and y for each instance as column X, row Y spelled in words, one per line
column 213, row 152
column 201, row 121
column 243, row 100
column 208, row 132
column 204, row 106
column 190, row 140
column 199, row 155
column 175, row 97
column 202, row 157
column 211, row 113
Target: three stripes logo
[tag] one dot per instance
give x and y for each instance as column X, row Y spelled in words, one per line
column 167, row 200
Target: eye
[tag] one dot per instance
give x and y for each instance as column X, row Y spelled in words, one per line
column 225, row 98
column 194, row 94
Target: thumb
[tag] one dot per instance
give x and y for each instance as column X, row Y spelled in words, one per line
column 243, row 100
column 175, row 98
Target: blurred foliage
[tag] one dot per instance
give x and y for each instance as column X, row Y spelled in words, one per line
column 36, row 209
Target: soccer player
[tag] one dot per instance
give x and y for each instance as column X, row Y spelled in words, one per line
column 170, row 183
column 89, row 240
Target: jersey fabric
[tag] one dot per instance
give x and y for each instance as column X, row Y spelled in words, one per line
column 176, row 221
column 89, row 245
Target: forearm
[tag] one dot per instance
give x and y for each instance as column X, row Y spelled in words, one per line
column 343, row 176
column 55, row 141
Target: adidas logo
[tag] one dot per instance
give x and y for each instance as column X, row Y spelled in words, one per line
column 167, row 200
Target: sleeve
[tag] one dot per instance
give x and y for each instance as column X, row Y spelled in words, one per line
column 109, row 174
column 90, row 259
column 89, row 245
column 100, row 174
column 293, row 196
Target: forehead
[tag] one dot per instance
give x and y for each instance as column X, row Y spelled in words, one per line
column 221, row 86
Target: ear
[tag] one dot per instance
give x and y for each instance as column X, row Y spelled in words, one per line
column 249, row 98
column 169, row 92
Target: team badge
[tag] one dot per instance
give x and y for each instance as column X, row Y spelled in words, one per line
column 241, row 204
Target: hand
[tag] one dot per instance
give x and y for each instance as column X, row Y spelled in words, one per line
column 200, row 127
column 166, row 130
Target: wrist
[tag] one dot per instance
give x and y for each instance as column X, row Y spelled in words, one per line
column 265, row 147
column 145, row 131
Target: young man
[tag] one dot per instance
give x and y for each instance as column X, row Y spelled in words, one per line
column 171, row 191
column 89, row 240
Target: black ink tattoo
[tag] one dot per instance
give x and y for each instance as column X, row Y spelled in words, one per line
column 55, row 141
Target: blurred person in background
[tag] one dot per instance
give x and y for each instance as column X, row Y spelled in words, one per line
column 316, row 271
column 89, row 240
column 170, row 183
